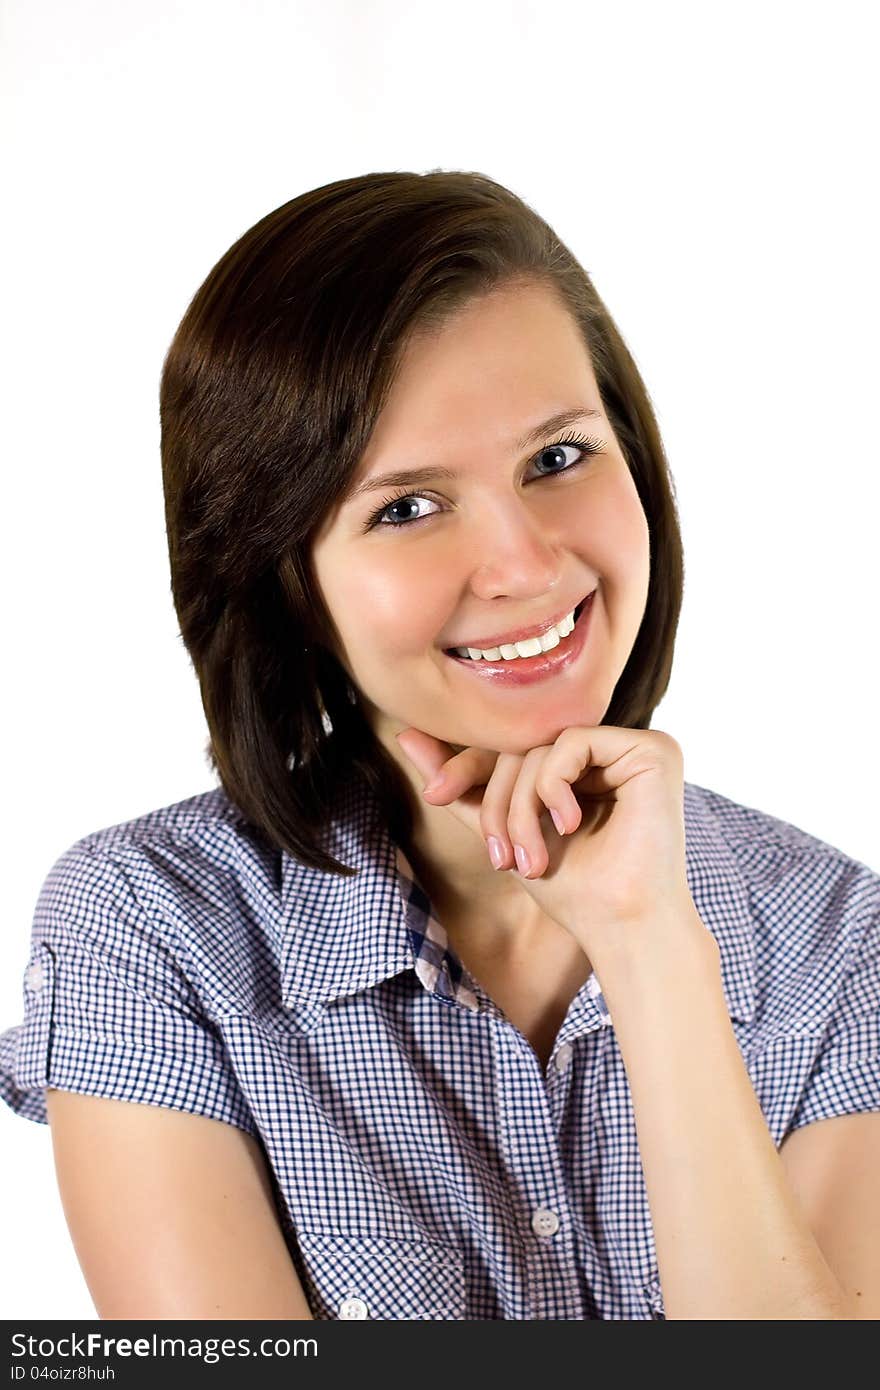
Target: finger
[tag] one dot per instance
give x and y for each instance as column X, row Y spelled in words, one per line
column 612, row 756
column 472, row 767
column 572, row 762
column 495, row 806
column 555, row 792
column 464, row 773
column 426, row 753
column 567, row 766
column 526, row 808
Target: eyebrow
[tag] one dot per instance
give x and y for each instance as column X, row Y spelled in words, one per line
column 415, row 476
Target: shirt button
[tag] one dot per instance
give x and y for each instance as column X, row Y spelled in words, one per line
column 544, row 1222
column 352, row 1308
column 563, row 1056
column 35, row 977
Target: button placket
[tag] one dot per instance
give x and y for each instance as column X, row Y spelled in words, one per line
column 535, row 1157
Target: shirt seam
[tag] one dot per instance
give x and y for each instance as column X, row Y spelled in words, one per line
column 145, row 835
column 775, row 843
column 82, row 1035
column 775, row 840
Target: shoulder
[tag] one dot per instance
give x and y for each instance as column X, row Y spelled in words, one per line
column 141, row 948
column 205, row 827
column 803, row 912
column 783, row 866
column 178, row 888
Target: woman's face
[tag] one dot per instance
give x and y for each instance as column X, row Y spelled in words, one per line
column 500, row 536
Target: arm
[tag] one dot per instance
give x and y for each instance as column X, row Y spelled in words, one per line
column 171, row 1214
column 732, row 1240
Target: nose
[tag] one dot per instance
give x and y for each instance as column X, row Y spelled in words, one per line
column 519, row 552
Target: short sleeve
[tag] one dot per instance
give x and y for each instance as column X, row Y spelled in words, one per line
column 845, row 1078
column 108, row 1008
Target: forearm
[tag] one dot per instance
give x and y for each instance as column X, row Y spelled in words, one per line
column 731, row 1240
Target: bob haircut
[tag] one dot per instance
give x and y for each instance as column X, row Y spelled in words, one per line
column 269, row 392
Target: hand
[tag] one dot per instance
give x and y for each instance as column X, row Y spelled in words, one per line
column 616, row 862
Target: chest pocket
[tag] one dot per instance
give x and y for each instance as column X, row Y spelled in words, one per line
column 378, row 1277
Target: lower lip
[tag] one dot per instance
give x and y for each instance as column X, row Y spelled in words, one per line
column 525, row 670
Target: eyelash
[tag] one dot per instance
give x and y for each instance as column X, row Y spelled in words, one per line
column 589, row 447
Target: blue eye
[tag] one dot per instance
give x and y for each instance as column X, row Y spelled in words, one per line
column 586, row 447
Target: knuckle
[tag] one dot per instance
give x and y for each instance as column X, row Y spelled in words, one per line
column 516, row 828
column 574, row 733
column 571, row 769
column 669, row 745
column 534, row 756
column 545, row 786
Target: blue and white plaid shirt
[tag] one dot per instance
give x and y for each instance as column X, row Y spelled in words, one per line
column 424, row 1166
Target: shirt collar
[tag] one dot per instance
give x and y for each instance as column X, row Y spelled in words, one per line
column 341, row 935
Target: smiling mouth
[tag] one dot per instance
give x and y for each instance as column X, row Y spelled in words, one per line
column 454, row 651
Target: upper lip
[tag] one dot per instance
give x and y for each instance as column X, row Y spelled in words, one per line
column 521, row 634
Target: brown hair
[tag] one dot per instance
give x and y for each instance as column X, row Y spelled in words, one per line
column 270, row 390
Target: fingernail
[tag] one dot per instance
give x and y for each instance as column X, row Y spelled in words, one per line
column 435, row 784
column 557, row 821
column 496, row 851
column 523, row 862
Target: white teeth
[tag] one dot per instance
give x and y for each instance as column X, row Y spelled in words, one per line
column 532, row 646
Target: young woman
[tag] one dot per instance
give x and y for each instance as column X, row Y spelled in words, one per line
column 557, row 1036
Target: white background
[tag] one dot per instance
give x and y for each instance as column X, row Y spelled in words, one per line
column 713, row 168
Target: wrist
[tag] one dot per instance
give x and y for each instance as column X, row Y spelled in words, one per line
column 661, row 946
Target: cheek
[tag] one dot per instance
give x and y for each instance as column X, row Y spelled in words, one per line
column 391, row 608
column 615, row 528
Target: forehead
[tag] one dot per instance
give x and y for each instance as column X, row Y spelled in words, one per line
column 499, row 363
